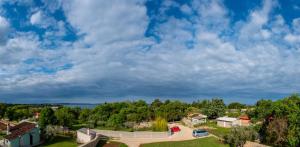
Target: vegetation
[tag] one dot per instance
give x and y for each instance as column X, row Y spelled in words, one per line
column 61, row 141
column 236, row 105
column 276, row 122
column 239, row 135
column 214, row 108
column 201, row 142
column 160, row 124
column 47, row 117
column 280, row 121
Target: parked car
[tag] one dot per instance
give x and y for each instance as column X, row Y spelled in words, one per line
column 200, row 133
column 175, row 129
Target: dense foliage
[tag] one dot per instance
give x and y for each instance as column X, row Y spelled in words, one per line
column 280, row 121
column 239, row 135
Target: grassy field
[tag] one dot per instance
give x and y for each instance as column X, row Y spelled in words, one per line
column 61, row 141
column 201, row 142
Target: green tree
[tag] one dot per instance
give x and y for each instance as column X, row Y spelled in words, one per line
column 65, row 117
column 84, row 115
column 115, row 121
column 236, row 105
column 47, row 117
column 214, row 108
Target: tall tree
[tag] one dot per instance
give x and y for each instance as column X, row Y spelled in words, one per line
column 47, row 117
column 214, row 108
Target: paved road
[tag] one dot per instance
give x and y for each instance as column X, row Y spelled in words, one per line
column 184, row 134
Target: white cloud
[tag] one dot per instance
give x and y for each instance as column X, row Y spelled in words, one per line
column 292, row 38
column 41, row 19
column 36, row 18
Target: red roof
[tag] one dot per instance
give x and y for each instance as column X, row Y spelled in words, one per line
column 244, row 117
column 3, row 126
column 19, row 130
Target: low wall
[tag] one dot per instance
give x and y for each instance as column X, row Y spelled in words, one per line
column 139, row 134
column 94, row 142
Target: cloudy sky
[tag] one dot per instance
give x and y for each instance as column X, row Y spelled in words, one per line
column 106, row 50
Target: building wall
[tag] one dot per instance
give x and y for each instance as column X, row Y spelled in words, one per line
column 24, row 140
column 224, row 124
column 14, row 143
column 83, row 138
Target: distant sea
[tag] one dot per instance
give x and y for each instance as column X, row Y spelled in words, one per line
column 85, row 106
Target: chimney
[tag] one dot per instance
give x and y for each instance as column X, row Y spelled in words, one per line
column 88, row 131
column 8, row 129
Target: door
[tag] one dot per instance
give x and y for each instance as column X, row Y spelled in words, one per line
column 31, row 139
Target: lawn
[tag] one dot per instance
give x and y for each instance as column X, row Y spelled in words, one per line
column 201, row 142
column 216, row 130
column 61, row 141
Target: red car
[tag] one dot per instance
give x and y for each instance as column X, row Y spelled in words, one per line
column 175, row 129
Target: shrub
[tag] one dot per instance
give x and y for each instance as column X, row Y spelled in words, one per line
column 239, row 135
column 160, row 124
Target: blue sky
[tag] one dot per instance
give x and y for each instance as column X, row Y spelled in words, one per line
column 97, row 50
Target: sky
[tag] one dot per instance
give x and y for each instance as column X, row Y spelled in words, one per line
column 91, row 51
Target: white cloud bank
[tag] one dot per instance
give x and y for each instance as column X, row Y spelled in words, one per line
column 257, row 57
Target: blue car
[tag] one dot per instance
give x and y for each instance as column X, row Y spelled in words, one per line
column 200, row 133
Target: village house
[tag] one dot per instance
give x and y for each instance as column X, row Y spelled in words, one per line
column 22, row 134
column 244, row 120
column 199, row 119
column 227, row 122
column 85, row 135
column 194, row 119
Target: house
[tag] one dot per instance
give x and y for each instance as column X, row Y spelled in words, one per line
column 194, row 119
column 227, row 122
column 244, row 120
column 85, row 135
column 37, row 115
column 22, row 134
column 199, row 119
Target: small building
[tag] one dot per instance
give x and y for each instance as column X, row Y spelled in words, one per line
column 199, row 119
column 37, row 115
column 244, row 120
column 85, row 135
column 227, row 122
column 23, row 134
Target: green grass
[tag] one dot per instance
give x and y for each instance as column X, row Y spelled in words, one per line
column 61, row 141
column 216, row 130
column 201, row 142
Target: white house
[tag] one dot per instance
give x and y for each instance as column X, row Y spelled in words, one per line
column 199, row 119
column 85, row 135
column 227, row 122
